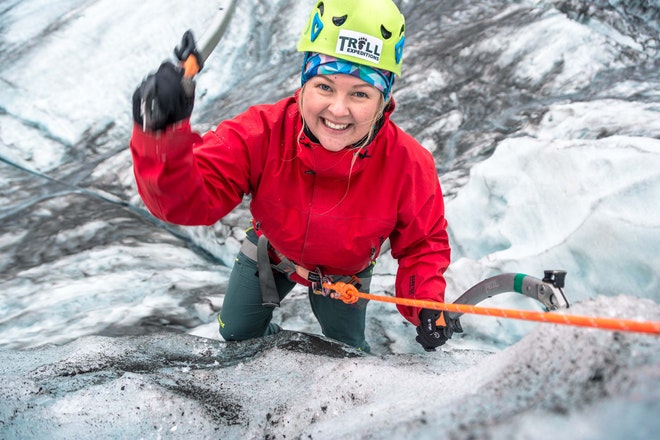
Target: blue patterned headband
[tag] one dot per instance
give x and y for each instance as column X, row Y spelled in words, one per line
column 320, row 64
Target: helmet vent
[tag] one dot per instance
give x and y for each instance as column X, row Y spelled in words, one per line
column 403, row 29
column 321, row 8
column 385, row 33
column 338, row 21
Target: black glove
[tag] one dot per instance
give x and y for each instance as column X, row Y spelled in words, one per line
column 430, row 334
column 163, row 98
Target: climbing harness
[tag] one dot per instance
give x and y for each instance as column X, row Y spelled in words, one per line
column 268, row 257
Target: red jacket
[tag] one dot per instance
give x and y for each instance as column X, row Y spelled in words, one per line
column 324, row 209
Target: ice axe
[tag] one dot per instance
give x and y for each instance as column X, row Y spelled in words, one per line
column 191, row 55
column 156, row 115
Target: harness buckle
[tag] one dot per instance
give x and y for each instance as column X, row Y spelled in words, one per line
column 319, row 281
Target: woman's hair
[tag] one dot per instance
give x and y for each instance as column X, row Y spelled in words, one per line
column 382, row 105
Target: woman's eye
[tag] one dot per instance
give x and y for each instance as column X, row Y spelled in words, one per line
column 324, row 87
column 361, row 95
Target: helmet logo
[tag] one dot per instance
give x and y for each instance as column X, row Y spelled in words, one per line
column 398, row 50
column 359, row 45
column 317, row 26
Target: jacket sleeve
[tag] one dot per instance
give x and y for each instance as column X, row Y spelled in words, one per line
column 420, row 242
column 187, row 179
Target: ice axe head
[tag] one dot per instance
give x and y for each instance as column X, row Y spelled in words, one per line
column 187, row 54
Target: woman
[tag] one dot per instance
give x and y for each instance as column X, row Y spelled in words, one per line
column 331, row 177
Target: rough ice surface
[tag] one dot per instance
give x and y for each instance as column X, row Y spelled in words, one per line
column 544, row 119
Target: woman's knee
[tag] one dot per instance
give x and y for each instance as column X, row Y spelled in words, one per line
column 232, row 329
column 342, row 322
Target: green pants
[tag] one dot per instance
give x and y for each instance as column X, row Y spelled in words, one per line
column 243, row 317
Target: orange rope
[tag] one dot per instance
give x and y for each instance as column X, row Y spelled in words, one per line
column 349, row 294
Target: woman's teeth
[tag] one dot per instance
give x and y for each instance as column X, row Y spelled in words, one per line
column 335, row 126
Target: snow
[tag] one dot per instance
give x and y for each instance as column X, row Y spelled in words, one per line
column 107, row 317
column 556, row 380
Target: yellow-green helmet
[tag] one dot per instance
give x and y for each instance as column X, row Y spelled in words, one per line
column 367, row 32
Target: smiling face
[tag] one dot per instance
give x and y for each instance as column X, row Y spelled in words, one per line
column 339, row 109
